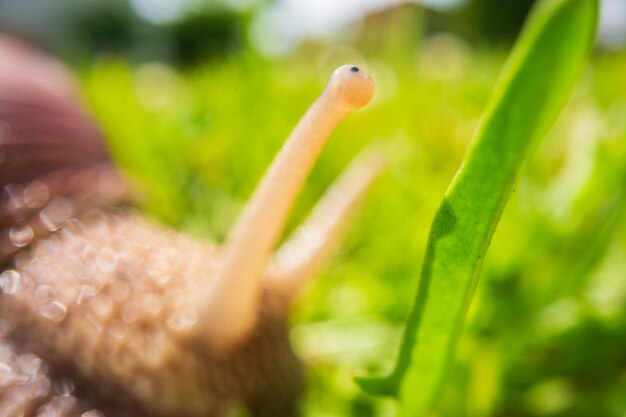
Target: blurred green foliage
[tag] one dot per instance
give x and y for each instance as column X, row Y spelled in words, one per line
column 547, row 329
column 78, row 30
column 494, row 21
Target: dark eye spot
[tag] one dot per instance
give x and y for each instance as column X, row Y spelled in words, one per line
column 354, row 69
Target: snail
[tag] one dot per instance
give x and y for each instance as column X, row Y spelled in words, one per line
column 105, row 313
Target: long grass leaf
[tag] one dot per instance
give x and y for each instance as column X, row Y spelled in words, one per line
column 532, row 89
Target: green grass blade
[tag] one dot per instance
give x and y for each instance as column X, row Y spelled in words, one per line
column 528, row 97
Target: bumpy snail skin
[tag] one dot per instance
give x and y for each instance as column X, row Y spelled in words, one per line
column 111, row 316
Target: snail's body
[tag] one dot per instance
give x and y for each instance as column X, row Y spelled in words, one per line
column 105, row 312
column 106, row 300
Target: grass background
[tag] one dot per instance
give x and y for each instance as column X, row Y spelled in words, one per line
column 547, row 329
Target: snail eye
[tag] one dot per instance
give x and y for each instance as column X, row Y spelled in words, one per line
column 354, row 69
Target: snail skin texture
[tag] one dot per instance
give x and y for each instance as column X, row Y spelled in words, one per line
column 104, row 313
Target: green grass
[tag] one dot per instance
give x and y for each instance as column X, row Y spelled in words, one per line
column 529, row 95
column 547, row 328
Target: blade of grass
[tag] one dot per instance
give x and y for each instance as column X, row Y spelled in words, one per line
column 531, row 91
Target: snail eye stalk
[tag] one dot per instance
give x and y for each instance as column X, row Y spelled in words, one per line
column 233, row 296
column 313, row 244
